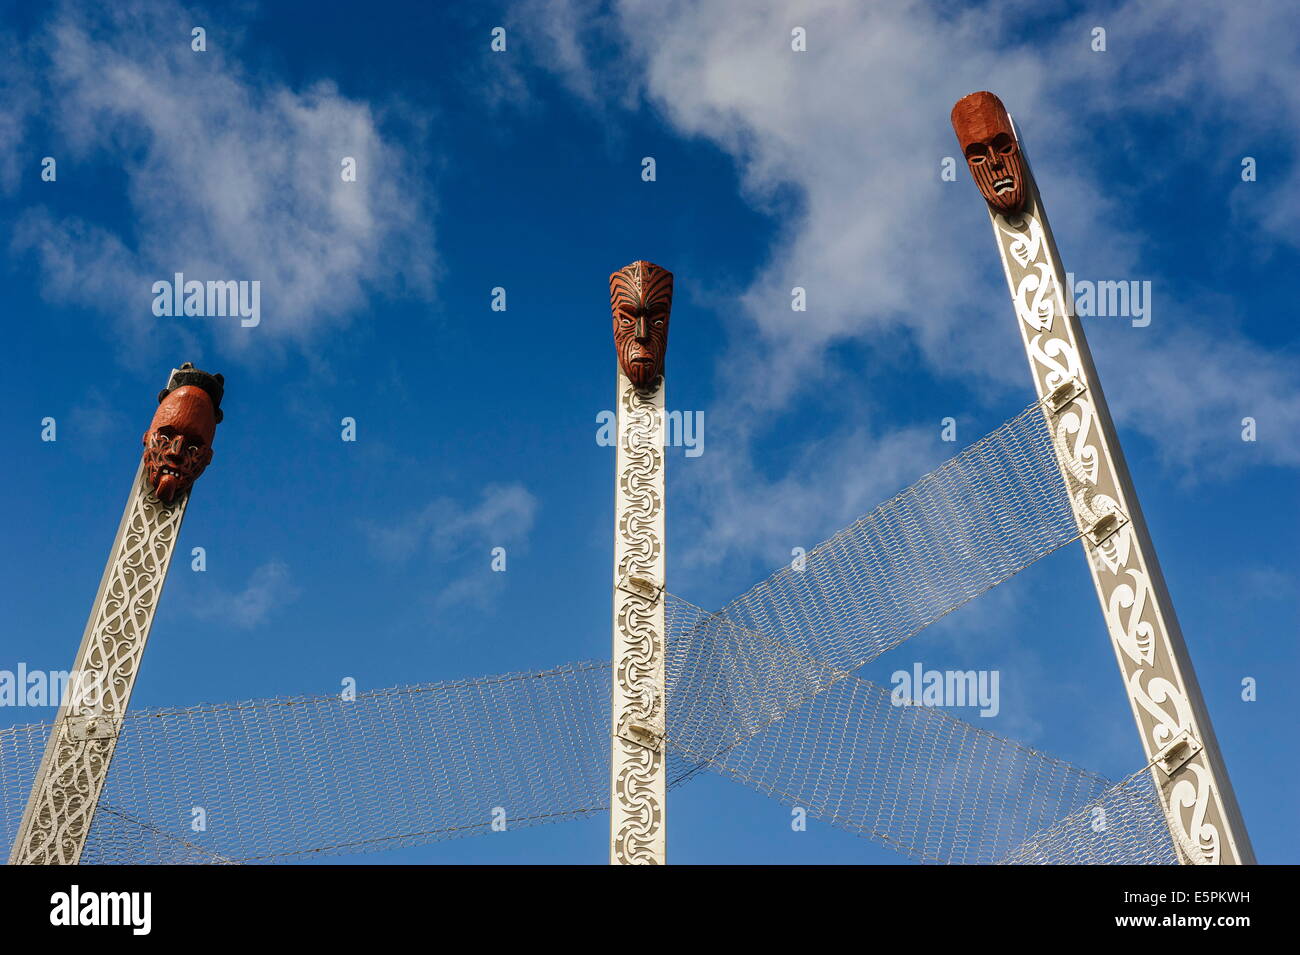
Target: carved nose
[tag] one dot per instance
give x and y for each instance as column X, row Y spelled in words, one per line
column 642, row 328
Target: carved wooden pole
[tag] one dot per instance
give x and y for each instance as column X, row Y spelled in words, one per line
column 641, row 297
column 178, row 446
column 1173, row 722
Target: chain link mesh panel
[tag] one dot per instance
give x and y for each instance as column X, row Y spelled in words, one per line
column 973, row 522
column 284, row 780
column 1125, row 825
column 761, row 692
column 280, row 779
column 914, row 778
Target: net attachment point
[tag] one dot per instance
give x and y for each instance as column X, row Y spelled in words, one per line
column 1105, row 526
column 82, row 728
column 1060, row 397
column 641, row 585
column 643, row 734
column 1177, row 753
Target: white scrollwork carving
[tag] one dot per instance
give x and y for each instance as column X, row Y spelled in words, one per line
column 639, row 718
column 63, row 800
column 1023, row 238
column 1165, row 703
column 1198, row 838
column 1057, row 359
column 1034, row 297
column 1128, row 599
column 1135, row 636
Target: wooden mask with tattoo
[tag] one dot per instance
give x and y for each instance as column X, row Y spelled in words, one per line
column 641, row 297
column 992, row 152
column 178, row 444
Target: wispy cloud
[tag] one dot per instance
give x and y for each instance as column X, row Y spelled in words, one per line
column 229, row 174
column 92, row 420
column 269, row 587
column 1190, row 390
column 892, row 257
column 459, row 539
column 18, row 100
column 741, row 512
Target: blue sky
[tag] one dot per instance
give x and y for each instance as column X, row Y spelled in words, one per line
column 477, row 429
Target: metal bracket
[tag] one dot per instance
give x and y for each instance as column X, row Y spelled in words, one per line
column 1059, row 398
column 1177, row 753
column 1105, row 527
column 643, row 734
column 641, row 585
column 91, row 726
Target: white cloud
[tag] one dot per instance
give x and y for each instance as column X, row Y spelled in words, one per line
column 17, row 103
column 269, row 586
column 1189, row 390
column 93, row 420
column 556, row 31
column 859, row 126
column 739, row 511
column 891, row 256
column 459, row 538
column 228, row 175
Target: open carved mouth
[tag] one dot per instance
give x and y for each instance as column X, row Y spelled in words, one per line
column 172, row 471
column 1005, row 184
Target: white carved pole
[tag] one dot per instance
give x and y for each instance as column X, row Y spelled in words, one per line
column 66, row 791
column 641, row 295
column 1173, row 722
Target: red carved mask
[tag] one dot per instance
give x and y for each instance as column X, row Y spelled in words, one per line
column 178, row 444
column 641, row 297
column 984, row 131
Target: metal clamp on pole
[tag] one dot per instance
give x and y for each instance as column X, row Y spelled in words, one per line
column 641, row 585
column 1105, row 527
column 1059, row 398
column 91, row 726
column 1177, row 753
column 646, row 734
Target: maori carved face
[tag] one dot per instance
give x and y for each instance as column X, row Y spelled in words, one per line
column 984, row 131
column 178, row 444
column 641, row 297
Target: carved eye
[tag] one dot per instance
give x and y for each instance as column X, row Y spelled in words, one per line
column 976, row 153
column 659, row 323
column 1003, row 144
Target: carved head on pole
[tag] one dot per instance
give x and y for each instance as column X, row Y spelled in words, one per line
column 988, row 141
column 178, row 444
column 641, row 297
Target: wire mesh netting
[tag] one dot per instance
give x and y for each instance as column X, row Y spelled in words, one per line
column 761, row 692
column 973, row 522
column 282, row 780
column 910, row 777
column 278, row 779
column 1125, row 825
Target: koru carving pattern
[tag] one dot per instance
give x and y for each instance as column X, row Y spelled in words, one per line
column 61, row 810
column 637, row 807
column 1156, row 688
